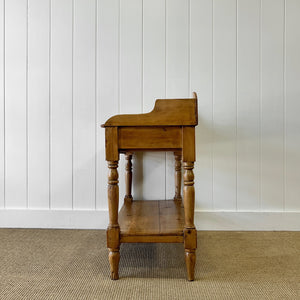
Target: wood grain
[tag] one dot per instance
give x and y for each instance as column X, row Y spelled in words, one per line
column 172, row 112
column 113, row 193
column 128, row 177
column 188, row 194
column 149, row 137
column 139, row 218
column 153, row 221
column 111, row 143
column 114, row 258
column 151, row 238
column 150, row 218
column 178, row 174
column 188, row 144
column 171, row 217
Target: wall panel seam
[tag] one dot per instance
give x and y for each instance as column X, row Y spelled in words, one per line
column 260, row 107
column 284, row 106
column 73, row 7
column 27, row 154
column 236, row 104
column 96, row 106
column 4, row 127
column 212, row 104
column 50, row 98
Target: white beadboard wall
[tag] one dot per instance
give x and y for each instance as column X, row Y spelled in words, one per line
column 68, row 65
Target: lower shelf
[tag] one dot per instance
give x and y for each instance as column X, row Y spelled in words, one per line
column 159, row 221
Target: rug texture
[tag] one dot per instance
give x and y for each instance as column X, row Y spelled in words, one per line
column 73, row 264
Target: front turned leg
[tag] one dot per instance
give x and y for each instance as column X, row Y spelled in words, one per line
column 113, row 230
column 190, row 232
column 128, row 177
column 178, row 158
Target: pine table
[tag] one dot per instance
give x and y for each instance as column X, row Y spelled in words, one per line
column 170, row 126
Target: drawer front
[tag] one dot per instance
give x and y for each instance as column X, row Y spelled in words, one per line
column 150, row 138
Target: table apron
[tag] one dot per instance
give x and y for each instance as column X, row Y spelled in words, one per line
column 166, row 137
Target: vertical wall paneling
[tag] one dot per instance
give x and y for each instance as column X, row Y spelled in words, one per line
column 107, row 85
column 84, row 105
column 153, row 88
column 61, row 155
column 68, row 65
column 131, row 78
column 248, row 105
column 224, row 104
column 38, row 103
column 272, row 114
column 201, row 82
column 177, row 48
column 177, row 66
column 2, row 147
column 15, row 103
column 131, row 56
column 292, row 108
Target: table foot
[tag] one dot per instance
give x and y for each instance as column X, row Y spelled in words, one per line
column 114, row 258
column 190, row 245
column 190, row 260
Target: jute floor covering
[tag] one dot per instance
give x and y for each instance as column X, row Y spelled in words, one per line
column 73, row 264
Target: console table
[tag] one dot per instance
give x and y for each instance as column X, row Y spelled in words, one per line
column 170, row 126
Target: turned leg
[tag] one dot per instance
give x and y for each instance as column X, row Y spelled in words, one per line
column 178, row 157
column 113, row 230
column 128, row 177
column 190, row 233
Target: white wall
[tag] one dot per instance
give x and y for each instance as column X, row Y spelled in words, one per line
column 66, row 66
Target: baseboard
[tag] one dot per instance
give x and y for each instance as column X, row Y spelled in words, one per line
column 68, row 219
column 204, row 220
column 252, row 221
